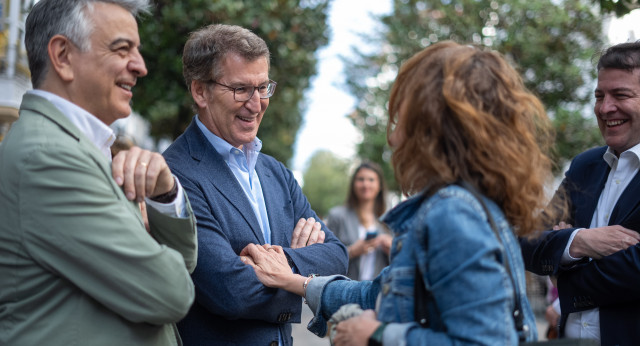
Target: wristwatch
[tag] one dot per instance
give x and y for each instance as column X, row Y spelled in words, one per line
column 167, row 197
column 376, row 338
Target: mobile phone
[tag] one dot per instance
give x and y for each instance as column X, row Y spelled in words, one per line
column 371, row 235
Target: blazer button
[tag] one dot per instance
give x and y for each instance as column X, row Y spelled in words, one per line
column 399, row 245
column 385, row 289
column 273, row 343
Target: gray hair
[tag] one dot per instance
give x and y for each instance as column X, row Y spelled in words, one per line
column 69, row 19
column 207, row 47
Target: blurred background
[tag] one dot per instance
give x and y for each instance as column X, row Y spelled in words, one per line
column 335, row 60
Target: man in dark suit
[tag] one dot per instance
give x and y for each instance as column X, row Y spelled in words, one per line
column 598, row 262
column 241, row 196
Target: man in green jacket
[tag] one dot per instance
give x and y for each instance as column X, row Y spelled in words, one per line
column 77, row 266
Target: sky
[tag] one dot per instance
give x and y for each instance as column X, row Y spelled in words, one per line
column 325, row 125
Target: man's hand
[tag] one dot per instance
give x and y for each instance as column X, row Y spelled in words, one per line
column 356, row 330
column 307, row 232
column 603, row 241
column 142, row 173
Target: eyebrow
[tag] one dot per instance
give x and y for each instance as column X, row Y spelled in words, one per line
column 617, row 90
column 120, row 40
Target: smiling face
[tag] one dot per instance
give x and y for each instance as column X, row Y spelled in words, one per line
column 104, row 75
column 366, row 185
column 235, row 122
column 617, row 108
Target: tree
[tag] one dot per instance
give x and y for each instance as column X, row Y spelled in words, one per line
column 619, row 7
column 326, row 181
column 550, row 43
column 293, row 30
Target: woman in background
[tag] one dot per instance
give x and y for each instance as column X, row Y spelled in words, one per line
column 356, row 223
column 470, row 147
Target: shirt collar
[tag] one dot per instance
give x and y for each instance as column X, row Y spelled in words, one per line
column 251, row 149
column 98, row 133
column 610, row 157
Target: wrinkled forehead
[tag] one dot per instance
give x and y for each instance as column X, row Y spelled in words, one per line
column 614, row 78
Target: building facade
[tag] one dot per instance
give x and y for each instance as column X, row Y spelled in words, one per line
column 14, row 68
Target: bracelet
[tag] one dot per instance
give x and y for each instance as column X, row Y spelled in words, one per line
column 376, row 338
column 304, row 286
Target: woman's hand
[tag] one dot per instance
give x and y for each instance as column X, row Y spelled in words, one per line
column 361, row 247
column 383, row 242
column 357, row 330
column 272, row 268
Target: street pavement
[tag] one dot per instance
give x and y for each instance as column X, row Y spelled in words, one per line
column 303, row 337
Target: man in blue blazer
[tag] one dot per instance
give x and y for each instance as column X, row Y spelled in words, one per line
column 241, row 197
column 598, row 262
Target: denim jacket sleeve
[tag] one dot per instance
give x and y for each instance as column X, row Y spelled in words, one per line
column 325, row 295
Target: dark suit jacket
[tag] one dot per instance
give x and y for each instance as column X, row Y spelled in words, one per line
column 232, row 307
column 611, row 283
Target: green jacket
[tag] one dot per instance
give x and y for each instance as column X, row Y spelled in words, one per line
column 77, row 266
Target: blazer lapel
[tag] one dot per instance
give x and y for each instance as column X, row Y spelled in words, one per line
column 43, row 107
column 213, row 169
column 589, row 189
column 274, row 200
column 626, row 211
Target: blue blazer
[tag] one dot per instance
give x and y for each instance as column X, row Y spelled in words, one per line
column 232, row 307
column 611, row 283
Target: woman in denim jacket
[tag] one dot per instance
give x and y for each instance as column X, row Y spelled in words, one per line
column 457, row 114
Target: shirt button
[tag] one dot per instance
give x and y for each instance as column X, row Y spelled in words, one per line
column 617, row 181
column 585, row 324
column 385, row 289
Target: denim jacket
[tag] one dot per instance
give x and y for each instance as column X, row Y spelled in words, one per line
column 448, row 236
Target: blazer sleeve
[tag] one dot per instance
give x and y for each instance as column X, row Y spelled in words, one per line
column 612, row 280
column 225, row 286
column 177, row 233
column 78, row 225
column 329, row 258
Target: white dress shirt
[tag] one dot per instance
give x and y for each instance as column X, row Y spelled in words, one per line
column 586, row 324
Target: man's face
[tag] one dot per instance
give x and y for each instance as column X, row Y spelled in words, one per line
column 104, row 76
column 236, row 122
column 617, row 108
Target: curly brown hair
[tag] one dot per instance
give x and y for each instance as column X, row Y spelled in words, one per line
column 465, row 115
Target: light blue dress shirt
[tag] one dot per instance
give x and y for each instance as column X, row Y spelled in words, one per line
column 243, row 163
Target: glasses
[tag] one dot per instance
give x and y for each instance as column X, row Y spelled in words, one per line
column 245, row 93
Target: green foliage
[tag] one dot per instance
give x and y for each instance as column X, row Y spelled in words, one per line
column 293, row 30
column 551, row 43
column 326, row 181
column 574, row 134
column 619, row 7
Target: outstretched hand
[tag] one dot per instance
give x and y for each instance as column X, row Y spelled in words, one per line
column 602, row 241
